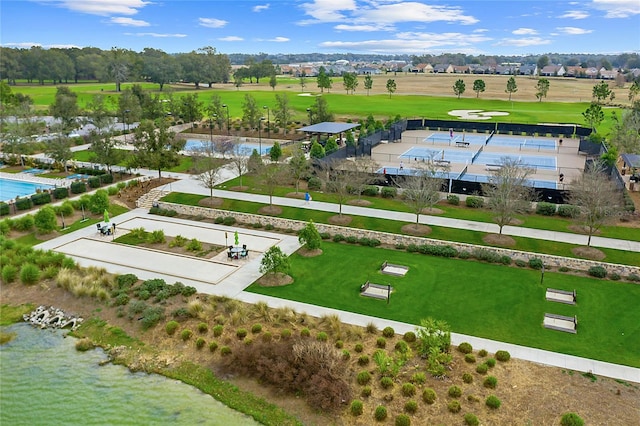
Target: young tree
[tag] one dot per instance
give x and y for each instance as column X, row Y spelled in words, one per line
column 303, row 80
column 330, row 146
column 45, row 220
column 276, row 152
column 337, row 178
column 421, row 189
column 512, row 86
column 273, row 81
column 239, row 161
column 478, row 86
column 99, row 201
column 542, row 87
column 317, row 150
column 155, row 147
column 324, row 81
column 350, row 81
column 601, row 91
column 459, row 87
column 320, row 111
column 282, row 111
column 597, row 198
column 272, row 176
column 298, row 167
column 309, row 236
column 593, row 115
column 254, row 164
column 368, row 83
column 362, row 174
column 59, row 149
column 250, row 112
column 216, row 111
column 391, row 86
column 207, row 166
column 274, row 261
column 508, row 191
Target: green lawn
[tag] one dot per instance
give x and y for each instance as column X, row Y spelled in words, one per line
column 392, row 226
column 496, row 302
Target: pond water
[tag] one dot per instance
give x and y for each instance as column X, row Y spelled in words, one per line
column 45, row 381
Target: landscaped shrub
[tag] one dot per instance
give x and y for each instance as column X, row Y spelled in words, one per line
column 411, row 406
column 388, row 192
column 9, row 273
column 419, row 378
column 403, row 420
column 322, row 336
column 491, row 362
column 203, row 327
column 267, row 336
column 23, row 203
column 366, row 391
column 217, row 330
column 386, row 382
column 29, row 274
column 454, row 200
column 94, row 182
column 358, row 347
column 305, row 332
column 186, row 334
column 535, row 263
column 356, row 407
column 455, row 391
column 546, row 209
column 471, row 420
column 438, row 250
column 381, row 342
column 346, row 355
column 520, row 263
column 225, row 350
column 41, row 198
column 325, row 235
column 597, row 271
column 503, row 356
column 470, row 358
column 285, row 333
column 409, row 337
column 351, row 239
column 408, row 389
column 380, row 413
column 492, row 401
column 485, row 255
column 634, row 278
column 338, row 238
column 566, row 210
column 429, row 396
column 465, row 348
column 402, row 347
column 467, row 378
column 213, row 346
column 363, row 378
column 78, row 187
column 151, row 316
column 482, row 353
column 106, row 178
column 482, row 368
column 454, row 406
column 256, row 328
column 339, row 344
column 615, row 277
column 200, row 342
column 370, row 191
column 490, row 382
column 474, row 202
column 229, row 220
column 571, row 419
column 314, row 183
column 388, row 332
column 241, row 333
column 171, row 327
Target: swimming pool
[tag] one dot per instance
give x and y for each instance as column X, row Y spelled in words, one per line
column 78, row 176
column 10, row 189
column 243, row 148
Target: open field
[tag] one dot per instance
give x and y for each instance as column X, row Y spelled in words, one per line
column 497, row 302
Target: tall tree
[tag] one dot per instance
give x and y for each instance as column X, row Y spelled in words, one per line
column 65, row 107
column 542, row 87
column 155, row 147
column 103, row 146
column 593, row 115
column 282, row 111
column 337, row 180
column 421, row 189
column 509, row 192
column 250, row 112
column 512, row 86
column 159, row 67
column 320, row 111
column 271, row 176
column 324, row 81
column 118, row 66
column 191, row 108
column 216, row 111
column 625, row 134
column 459, row 87
column 368, row 83
column 273, row 81
column 601, row 91
column 303, row 80
column 543, row 61
column 478, row 87
column 597, row 198
column 391, row 86
column 298, row 167
column 59, row 149
column 350, row 82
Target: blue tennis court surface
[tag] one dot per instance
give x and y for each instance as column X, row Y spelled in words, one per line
column 472, row 139
column 425, row 154
column 409, row 172
column 538, row 162
column 523, row 143
column 533, row 183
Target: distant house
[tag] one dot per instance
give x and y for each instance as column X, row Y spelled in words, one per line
column 480, row 69
column 528, row 70
column 608, row 74
column 507, row 70
column 591, row 72
column 552, row 71
column 443, row 68
column 575, row 71
column 369, row 71
column 424, row 68
column 461, row 69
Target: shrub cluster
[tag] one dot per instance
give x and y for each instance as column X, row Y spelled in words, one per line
column 597, row 271
column 567, row 210
column 474, row 202
column 546, row 209
column 503, row 356
column 454, row 200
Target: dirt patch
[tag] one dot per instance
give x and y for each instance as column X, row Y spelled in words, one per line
column 214, row 202
column 238, row 188
column 299, row 195
column 309, row 253
column 416, row 230
column 275, row 280
column 270, row 210
column 340, row 220
column 499, row 240
column 513, row 222
column 588, row 253
column 360, row 203
column 432, row 211
column 579, row 229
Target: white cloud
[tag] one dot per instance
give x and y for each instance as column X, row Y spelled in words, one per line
column 231, row 38
column 211, row 22
column 279, row 39
column 100, row 7
column 617, row 8
column 575, row 14
column 128, row 22
column 22, row 44
column 156, row 35
column 525, row 31
column 412, row 12
column 523, row 42
column 573, row 30
column 362, row 28
column 260, row 7
column 327, row 10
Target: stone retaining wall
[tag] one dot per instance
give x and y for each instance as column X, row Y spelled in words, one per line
column 395, row 239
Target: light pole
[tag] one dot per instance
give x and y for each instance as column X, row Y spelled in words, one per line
column 268, row 121
column 225, row 106
column 126, row 111
column 309, row 112
column 211, row 127
column 260, row 134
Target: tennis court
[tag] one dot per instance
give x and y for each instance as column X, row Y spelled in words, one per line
column 411, row 172
column 524, row 143
column 535, row 183
column 535, row 161
column 424, row 154
column 472, row 139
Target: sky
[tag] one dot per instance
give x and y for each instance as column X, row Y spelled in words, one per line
column 414, row 27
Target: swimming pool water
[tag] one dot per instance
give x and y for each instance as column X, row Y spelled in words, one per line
column 10, row 189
